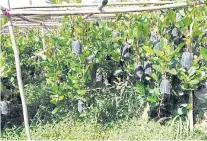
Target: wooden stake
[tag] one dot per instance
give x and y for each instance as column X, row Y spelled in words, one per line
column 19, row 76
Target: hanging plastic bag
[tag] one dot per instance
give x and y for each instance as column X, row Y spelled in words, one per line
column 139, row 72
column 76, row 47
column 126, row 51
column 147, row 67
column 165, row 86
column 187, row 59
column 80, row 106
column 4, row 107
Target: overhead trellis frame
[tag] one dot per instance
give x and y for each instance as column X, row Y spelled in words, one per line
column 35, row 14
column 81, row 11
column 96, row 4
column 27, row 13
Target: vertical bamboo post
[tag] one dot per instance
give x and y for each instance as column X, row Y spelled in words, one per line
column 19, row 75
column 30, row 2
column 43, row 38
column 190, row 112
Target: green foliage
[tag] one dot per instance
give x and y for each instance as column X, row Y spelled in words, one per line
column 100, row 76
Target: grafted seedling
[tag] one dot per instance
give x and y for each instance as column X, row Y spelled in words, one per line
column 187, row 59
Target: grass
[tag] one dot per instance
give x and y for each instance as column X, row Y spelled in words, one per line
column 135, row 129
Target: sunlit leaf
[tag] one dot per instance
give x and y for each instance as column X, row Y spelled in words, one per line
column 148, row 50
column 81, row 92
column 204, row 53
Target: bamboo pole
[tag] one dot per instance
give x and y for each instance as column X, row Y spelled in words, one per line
column 20, row 23
column 23, row 17
column 19, row 76
column 29, row 20
column 96, row 4
column 33, row 24
column 30, row 2
column 105, row 11
column 43, row 38
column 56, row 9
column 190, row 112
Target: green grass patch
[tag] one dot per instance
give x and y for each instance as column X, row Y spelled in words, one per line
column 135, row 129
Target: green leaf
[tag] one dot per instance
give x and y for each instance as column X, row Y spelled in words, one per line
column 189, row 106
column 148, row 50
column 187, row 21
column 163, row 43
column 146, row 29
column 172, row 16
column 172, row 71
column 2, row 87
column 61, row 97
column 55, row 110
column 151, row 99
column 117, row 72
column 53, row 96
column 194, row 82
column 81, row 92
column 180, row 111
column 192, row 71
column 118, row 17
column 76, row 85
column 204, row 53
column 53, row 101
column 4, row 20
column 21, row 40
column 154, row 76
column 157, row 68
column 54, row 88
column 140, row 88
column 179, row 47
column 116, row 55
column 184, row 105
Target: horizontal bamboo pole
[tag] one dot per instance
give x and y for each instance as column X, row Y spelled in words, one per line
column 19, row 23
column 96, row 4
column 39, row 18
column 33, row 24
column 56, row 9
column 105, row 11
